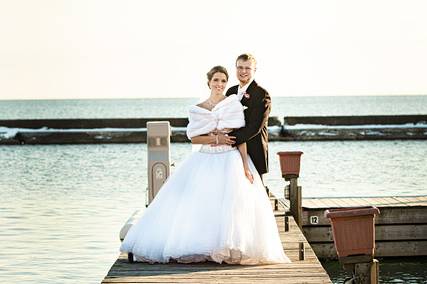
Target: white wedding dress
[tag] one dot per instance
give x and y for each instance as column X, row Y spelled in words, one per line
column 208, row 209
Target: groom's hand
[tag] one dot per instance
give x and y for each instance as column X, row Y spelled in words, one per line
column 224, row 139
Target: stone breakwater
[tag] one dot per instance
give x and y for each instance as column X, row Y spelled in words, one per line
column 133, row 130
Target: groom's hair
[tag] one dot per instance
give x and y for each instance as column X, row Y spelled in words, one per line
column 246, row 57
column 217, row 69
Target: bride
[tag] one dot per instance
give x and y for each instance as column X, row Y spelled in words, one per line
column 214, row 206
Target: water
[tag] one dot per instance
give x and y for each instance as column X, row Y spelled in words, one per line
column 281, row 106
column 63, row 205
column 62, row 209
column 402, row 270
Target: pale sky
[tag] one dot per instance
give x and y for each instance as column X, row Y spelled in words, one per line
column 76, row 49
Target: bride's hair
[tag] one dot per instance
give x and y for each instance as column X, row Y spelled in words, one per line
column 217, row 69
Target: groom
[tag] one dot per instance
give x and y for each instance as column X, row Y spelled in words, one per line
column 258, row 103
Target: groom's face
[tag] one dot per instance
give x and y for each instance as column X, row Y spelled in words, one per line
column 245, row 71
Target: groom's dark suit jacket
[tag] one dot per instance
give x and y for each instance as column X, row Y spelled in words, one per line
column 255, row 133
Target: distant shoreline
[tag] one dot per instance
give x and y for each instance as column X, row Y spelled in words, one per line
column 133, row 130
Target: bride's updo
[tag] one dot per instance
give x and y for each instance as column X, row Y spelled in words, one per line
column 216, row 69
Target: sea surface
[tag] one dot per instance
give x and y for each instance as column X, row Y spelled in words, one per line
column 178, row 107
column 62, row 206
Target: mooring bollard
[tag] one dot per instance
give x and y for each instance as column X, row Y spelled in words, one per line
column 290, row 167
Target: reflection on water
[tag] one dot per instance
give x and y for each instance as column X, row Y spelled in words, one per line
column 63, row 205
column 409, row 270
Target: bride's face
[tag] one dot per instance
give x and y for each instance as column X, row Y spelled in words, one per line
column 218, row 82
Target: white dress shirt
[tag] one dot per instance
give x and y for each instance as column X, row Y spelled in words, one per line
column 242, row 90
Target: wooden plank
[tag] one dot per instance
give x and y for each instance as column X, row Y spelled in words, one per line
column 418, row 201
column 382, row 232
column 401, row 232
column 346, row 202
column 314, row 280
column 355, row 202
column 387, row 201
column 334, row 202
column 388, row 215
column 381, row 202
column 319, row 203
column 318, row 234
column 383, row 249
column 323, row 202
column 284, row 204
column 204, row 274
column 422, row 198
column 312, row 203
column 409, row 248
column 412, row 201
column 368, row 202
column 401, row 201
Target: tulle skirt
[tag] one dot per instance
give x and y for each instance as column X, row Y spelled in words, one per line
column 208, row 210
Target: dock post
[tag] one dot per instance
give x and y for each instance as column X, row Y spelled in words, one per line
column 363, row 271
column 286, row 223
column 130, row 257
column 290, row 167
column 367, row 272
column 301, row 252
column 295, row 201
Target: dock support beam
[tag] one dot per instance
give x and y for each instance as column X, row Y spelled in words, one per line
column 364, row 271
column 367, row 272
column 295, row 199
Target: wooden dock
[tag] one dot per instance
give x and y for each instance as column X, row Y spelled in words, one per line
column 308, row 270
column 400, row 229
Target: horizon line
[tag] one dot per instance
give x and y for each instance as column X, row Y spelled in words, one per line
column 138, row 98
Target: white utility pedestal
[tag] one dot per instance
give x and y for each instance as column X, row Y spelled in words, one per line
column 158, row 156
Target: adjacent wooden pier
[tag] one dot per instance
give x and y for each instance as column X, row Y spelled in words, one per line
column 400, row 229
column 308, row 270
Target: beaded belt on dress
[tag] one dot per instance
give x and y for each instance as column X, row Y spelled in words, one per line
column 216, row 149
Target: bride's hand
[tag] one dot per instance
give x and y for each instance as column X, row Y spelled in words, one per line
column 249, row 175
